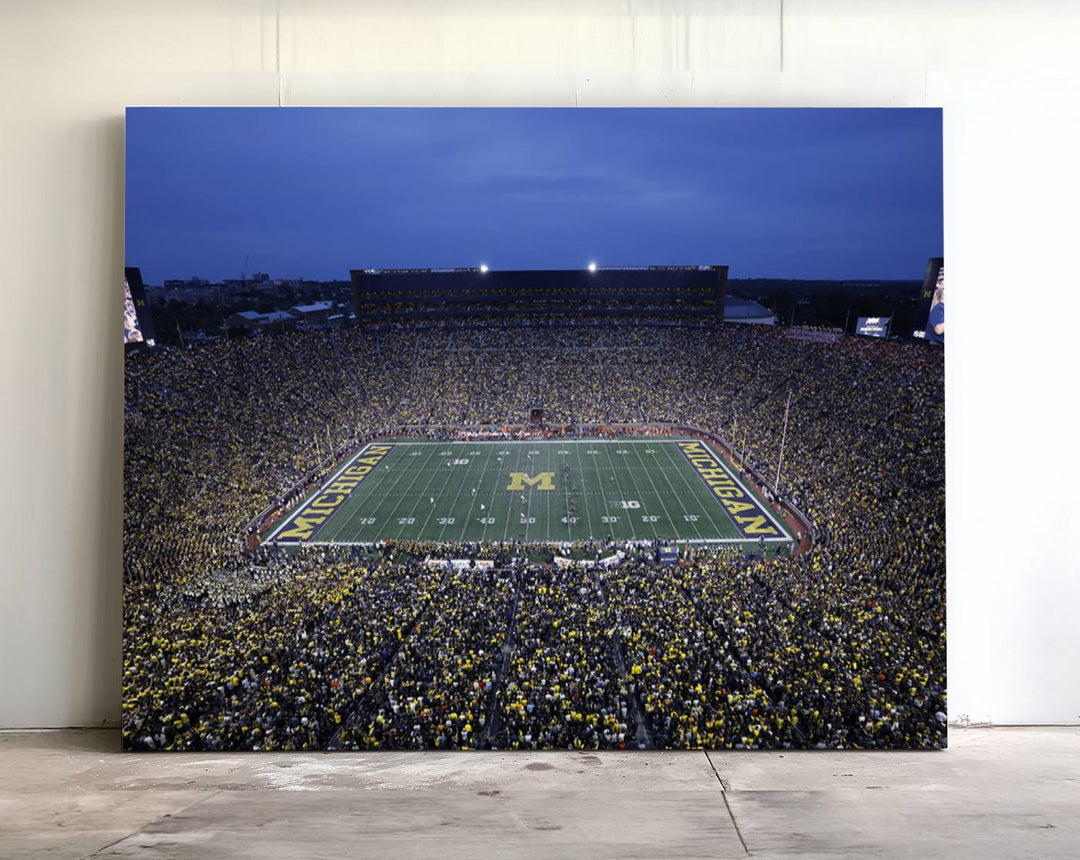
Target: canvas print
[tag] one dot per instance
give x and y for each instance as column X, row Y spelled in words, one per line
column 498, row 429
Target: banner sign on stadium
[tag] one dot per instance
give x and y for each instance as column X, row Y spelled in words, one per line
column 872, row 326
column 309, row 518
column 460, row 563
column 744, row 510
column 934, row 277
column 138, row 321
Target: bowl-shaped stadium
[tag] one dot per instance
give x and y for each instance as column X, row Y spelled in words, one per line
column 526, row 511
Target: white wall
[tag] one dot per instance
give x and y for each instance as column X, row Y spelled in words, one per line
column 1004, row 72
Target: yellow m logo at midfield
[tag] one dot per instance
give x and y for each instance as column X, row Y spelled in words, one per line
column 543, row 481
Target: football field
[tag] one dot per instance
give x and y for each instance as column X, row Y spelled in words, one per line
column 551, row 491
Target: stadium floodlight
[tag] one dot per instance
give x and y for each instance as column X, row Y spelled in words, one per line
column 592, row 267
column 483, row 267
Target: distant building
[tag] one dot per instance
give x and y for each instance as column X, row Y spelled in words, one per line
column 308, row 291
column 313, row 315
column 189, row 295
column 747, row 311
column 179, row 283
column 254, row 321
column 679, row 295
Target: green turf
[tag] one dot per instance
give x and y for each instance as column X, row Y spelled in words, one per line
column 627, row 489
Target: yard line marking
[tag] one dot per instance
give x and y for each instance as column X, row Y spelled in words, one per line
column 404, row 495
column 449, row 474
column 528, row 507
column 566, row 495
column 619, row 486
column 547, row 499
column 510, row 500
column 468, row 519
column 585, row 496
column 678, row 498
column 659, row 497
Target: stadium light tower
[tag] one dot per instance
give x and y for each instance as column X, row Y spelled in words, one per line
column 483, row 267
column 592, row 267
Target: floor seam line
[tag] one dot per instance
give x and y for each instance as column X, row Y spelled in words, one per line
column 723, row 785
column 734, row 823
column 142, row 827
column 727, row 805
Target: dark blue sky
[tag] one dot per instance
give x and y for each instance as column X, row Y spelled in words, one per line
column 843, row 193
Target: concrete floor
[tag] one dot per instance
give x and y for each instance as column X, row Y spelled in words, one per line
column 1001, row 792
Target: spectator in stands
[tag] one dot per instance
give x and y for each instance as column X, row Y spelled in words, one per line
column 233, row 646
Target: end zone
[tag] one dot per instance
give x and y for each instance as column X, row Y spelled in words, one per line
column 751, row 518
column 303, row 523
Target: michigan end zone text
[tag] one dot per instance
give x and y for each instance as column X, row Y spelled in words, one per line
column 745, row 512
column 309, row 518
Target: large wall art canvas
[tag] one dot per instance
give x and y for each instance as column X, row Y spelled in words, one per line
column 520, row 429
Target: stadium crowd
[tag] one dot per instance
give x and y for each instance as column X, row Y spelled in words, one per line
column 230, row 647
